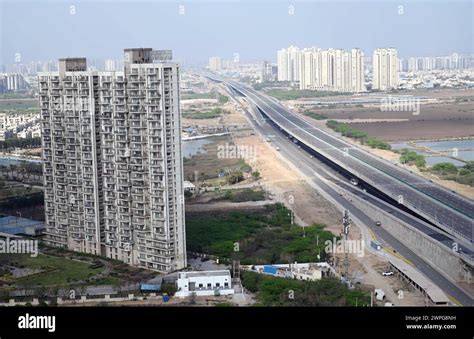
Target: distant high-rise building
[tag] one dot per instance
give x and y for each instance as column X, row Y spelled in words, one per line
column 15, row 82
column 307, row 68
column 357, row 71
column 110, row 65
column 113, row 173
column 215, row 63
column 450, row 62
column 331, row 70
column 385, row 69
column 282, row 64
column 267, row 74
column 288, row 64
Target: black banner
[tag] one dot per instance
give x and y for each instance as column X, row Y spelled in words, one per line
column 72, row 321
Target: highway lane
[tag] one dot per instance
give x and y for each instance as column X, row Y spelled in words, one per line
column 450, row 211
column 309, row 167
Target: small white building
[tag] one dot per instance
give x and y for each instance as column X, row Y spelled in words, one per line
column 204, row 283
column 188, row 186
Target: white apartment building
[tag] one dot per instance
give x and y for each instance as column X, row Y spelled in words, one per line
column 112, row 160
column 110, row 65
column 331, row 70
column 215, row 63
column 357, row 70
column 267, row 74
column 288, row 60
column 385, row 69
column 453, row 61
column 204, row 283
column 14, row 82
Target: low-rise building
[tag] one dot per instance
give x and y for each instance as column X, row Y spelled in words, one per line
column 204, row 283
column 299, row 271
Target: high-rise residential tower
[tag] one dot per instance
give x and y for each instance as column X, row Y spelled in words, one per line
column 112, row 160
column 288, row 64
column 215, row 63
column 385, row 69
column 331, row 70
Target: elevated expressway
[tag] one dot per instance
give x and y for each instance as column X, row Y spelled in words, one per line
column 445, row 209
column 327, row 178
column 449, row 213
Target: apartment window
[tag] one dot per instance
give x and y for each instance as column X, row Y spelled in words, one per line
column 209, row 285
column 200, row 285
column 218, row 284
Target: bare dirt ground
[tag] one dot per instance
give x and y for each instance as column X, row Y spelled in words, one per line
column 287, row 187
column 368, row 270
column 231, row 119
column 435, row 121
column 418, row 130
column 225, row 206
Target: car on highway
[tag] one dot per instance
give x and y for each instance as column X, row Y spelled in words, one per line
column 387, row 273
column 277, row 148
column 378, row 223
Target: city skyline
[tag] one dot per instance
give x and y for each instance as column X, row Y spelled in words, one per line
column 194, row 37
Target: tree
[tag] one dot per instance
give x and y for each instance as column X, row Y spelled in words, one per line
column 445, row 168
column 235, row 178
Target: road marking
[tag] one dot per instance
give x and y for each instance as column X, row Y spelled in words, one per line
column 392, row 252
column 454, row 300
column 372, row 234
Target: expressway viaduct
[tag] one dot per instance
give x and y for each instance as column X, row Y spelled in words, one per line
column 430, row 225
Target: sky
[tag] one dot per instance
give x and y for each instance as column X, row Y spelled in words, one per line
column 51, row 29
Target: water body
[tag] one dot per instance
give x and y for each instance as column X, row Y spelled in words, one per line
column 449, row 145
column 433, row 160
column 12, row 161
column 400, row 145
column 192, row 147
column 466, row 155
column 465, row 150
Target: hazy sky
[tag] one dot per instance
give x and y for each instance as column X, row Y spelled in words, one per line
column 43, row 30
